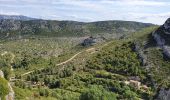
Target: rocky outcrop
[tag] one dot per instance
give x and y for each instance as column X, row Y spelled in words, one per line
column 163, row 94
column 162, row 36
column 167, row 27
column 140, row 53
column 161, row 43
column 88, row 41
column 92, row 40
column 166, row 50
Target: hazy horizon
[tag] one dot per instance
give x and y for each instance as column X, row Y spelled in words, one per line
column 146, row 11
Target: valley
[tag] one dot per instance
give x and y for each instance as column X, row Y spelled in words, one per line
column 67, row 60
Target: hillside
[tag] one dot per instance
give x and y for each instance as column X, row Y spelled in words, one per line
column 133, row 67
column 131, row 64
column 109, row 69
column 153, row 51
column 114, row 29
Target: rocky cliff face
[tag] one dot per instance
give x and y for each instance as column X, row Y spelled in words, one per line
column 7, row 25
column 162, row 37
column 166, row 27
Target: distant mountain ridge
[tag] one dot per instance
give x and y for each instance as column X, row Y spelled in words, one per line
column 10, row 27
column 16, row 17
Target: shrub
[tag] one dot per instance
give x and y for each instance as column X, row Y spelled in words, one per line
column 4, row 89
column 97, row 93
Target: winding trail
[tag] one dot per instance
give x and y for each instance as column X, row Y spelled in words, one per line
column 87, row 50
column 69, row 59
column 56, row 64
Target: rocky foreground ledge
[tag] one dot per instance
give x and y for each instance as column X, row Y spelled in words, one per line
column 11, row 94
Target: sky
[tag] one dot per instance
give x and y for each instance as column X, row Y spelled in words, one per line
column 148, row 11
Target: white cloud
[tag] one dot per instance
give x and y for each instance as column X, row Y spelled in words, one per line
column 78, row 3
column 136, row 2
column 138, row 15
column 90, row 10
column 157, row 18
column 9, row 13
column 8, row 0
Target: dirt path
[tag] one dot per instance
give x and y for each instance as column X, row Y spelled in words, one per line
column 69, row 59
column 56, row 64
column 31, row 72
column 87, row 50
column 59, row 63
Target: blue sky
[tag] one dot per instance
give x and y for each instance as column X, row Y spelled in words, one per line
column 149, row 11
